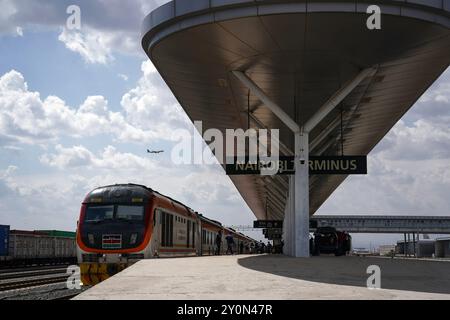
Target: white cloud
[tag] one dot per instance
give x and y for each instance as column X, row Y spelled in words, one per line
column 6, row 13
column 110, row 159
column 106, row 30
column 422, row 139
column 151, row 105
column 77, row 156
column 7, row 173
column 92, row 45
column 149, row 113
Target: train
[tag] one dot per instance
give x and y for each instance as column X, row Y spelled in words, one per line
column 20, row 248
column 122, row 224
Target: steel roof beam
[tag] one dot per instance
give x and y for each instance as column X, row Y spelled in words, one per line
column 273, row 184
column 324, row 111
column 277, row 110
column 337, row 98
column 276, row 196
column 283, row 147
column 324, row 134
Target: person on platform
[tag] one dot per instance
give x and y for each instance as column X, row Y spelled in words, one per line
column 269, row 248
column 218, row 242
column 262, row 247
column 230, row 243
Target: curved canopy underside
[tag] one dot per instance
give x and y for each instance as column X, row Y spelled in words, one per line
column 299, row 55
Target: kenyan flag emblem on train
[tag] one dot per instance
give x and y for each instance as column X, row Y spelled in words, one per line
column 112, row 241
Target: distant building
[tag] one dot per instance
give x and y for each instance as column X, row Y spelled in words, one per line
column 442, row 248
column 386, row 250
column 423, row 248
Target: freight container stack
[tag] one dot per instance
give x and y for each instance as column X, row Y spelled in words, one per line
column 4, row 242
column 36, row 247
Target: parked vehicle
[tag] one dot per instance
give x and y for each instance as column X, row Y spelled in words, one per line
column 360, row 252
column 329, row 240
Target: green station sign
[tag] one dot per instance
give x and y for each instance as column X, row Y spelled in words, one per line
column 329, row 165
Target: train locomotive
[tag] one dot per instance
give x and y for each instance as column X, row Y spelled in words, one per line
column 122, row 224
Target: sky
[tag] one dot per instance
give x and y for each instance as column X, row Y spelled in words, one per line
column 79, row 108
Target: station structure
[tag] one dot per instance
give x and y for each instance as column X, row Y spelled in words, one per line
column 313, row 69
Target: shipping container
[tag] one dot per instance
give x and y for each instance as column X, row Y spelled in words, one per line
column 36, row 246
column 4, row 240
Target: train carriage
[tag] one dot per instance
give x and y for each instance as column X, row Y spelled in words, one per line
column 209, row 231
column 122, row 224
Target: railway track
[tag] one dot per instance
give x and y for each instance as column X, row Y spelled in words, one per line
column 40, row 283
column 31, row 282
column 32, row 273
column 34, row 268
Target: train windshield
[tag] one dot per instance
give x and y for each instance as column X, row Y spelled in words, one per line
column 131, row 213
column 100, row 213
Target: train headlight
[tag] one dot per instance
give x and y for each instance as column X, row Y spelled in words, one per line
column 91, row 238
column 133, row 238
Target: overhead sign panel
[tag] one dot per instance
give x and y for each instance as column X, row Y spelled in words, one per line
column 275, row 237
column 268, row 224
column 272, row 231
column 344, row 165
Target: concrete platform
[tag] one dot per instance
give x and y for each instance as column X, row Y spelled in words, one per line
column 273, row 278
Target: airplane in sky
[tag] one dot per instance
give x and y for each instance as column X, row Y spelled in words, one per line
column 155, row 152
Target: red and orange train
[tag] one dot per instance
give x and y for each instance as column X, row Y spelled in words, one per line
column 122, row 224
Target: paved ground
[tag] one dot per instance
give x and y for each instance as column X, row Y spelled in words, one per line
column 274, row 278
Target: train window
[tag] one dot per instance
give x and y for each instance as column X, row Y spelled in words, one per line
column 99, row 213
column 130, row 213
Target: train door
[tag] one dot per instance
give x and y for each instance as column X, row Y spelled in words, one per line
column 166, row 229
column 193, row 234
column 188, row 233
column 200, row 240
column 156, row 236
column 198, row 237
